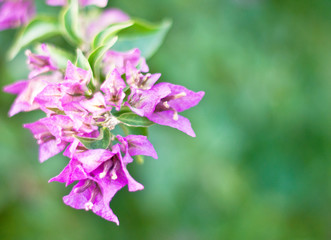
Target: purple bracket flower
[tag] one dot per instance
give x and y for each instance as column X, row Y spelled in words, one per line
column 162, row 103
column 95, row 106
column 74, row 171
column 54, row 133
column 136, row 79
column 120, row 60
column 66, row 95
column 180, row 99
column 101, row 174
column 40, row 63
column 48, row 137
column 112, row 165
column 91, row 192
column 137, row 145
column 94, row 195
column 143, row 102
column 113, row 89
column 27, row 91
column 75, row 80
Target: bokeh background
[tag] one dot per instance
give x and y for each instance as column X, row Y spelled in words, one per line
column 260, row 166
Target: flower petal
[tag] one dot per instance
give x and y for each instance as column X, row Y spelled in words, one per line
column 190, row 99
column 93, row 158
column 138, row 145
column 166, row 118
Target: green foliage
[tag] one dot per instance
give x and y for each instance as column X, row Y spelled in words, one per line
column 38, row 29
column 82, row 62
column 97, row 54
column 133, row 120
column 134, row 130
column 69, row 19
column 106, row 35
column 101, row 142
column 143, row 35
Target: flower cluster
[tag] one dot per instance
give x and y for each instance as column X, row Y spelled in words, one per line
column 86, row 103
column 75, row 115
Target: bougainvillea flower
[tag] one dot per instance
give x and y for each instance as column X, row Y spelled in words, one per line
column 74, row 171
column 99, row 3
column 40, row 63
column 54, row 133
column 14, row 13
column 53, row 98
column 50, row 98
column 95, row 106
column 143, row 102
column 178, row 100
column 93, row 158
column 120, row 60
column 27, row 91
column 113, row 87
column 101, row 173
column 90, row 194
column 111, row 163
column 66, row 92
column 75, row 146
column 137, row 145
column 75, row 80
column 136, row 79
column 50, row 145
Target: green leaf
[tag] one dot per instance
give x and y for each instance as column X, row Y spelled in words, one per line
column 134, row 130
column 60, row 56
column 69, row 19
column 82, row 62
column 124, row 109
column 38, row 29
column 105, row 35
column 96, row 56
column 143, row 35
column 101, row 142
column 133, row 120
column 57, row 111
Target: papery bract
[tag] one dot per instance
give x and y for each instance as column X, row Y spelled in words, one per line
column 120, row 60
column 40, row 63
column 101, row 173
column 143, row 102
column 74, row 171
column 49, row 144
column 76, row 80
column 137, row 145
column 137, row 80
column 27, row 91
column 96, row 197
column 66, row 94
column 113, row 88
column 178, row 100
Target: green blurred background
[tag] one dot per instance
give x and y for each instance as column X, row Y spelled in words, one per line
column 260, row 166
